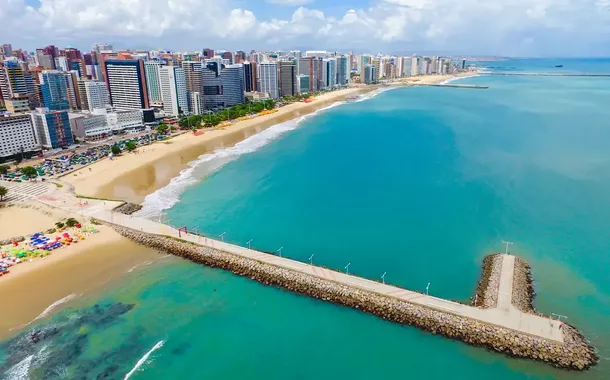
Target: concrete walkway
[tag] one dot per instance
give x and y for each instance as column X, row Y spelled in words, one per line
column 505, row 315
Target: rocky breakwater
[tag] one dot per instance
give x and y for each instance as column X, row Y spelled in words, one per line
column 486, row 295
column 523, row 299
column 452, row 326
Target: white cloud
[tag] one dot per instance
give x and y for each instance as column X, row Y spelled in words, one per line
column 290, row 2
column 559, row 27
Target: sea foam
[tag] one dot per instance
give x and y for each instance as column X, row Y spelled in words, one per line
column 143, row 359
column 166, row 197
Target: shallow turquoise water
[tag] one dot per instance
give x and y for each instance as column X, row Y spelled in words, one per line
column 420, row 183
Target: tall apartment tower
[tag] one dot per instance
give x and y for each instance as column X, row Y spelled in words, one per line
column 223, row 86
column 152, row 80
column 54, row 87
column 268, row 78
column 192, row 76
column 312, row 67
column 173, row 90
column 288, row 78
column 96, row 94
column 126, row 80
column 250, row 78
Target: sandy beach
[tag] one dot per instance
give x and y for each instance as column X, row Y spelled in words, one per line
column 72, row 271
column 132, row 177
column 81, row 269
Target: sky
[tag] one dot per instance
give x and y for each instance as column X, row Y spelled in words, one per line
column 517, row 28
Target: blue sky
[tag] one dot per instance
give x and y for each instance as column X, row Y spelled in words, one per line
column 469, row 27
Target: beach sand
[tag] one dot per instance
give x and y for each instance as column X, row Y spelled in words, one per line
column 76, row 271
column 19, row 221
column 133, row 176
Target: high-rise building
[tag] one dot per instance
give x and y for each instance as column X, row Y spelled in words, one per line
column 343, row 70
column 152, row 80
column 414, row 66
column 192, row 75
column 96, row 94
column 61, row 63
column 71, row 79
column 207, row 53
column 250, row 79
column 54, row 88
column 223, row 86
column 228, row 56
column 6, row 50
column 101, row 47
column 268, row 79
column 15, row 82
column 126, row 82
column 17, row 138
column 46, row 57
column 288, row 78
column 240, row 56
column 303, row 83
column 52, row 128
column 312, row 67
column 329, row 71
column 377, row 65
column 173, row 90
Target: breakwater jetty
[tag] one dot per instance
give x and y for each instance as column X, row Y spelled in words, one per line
column 450, row 85
column 494, row 322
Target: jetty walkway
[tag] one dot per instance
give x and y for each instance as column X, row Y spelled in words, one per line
column 505, row 315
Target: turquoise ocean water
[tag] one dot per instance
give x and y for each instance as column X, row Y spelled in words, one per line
column 420, row 183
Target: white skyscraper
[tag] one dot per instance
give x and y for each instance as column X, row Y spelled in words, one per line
column 96, row 94
column 152, row 80
column 173, row 90
column 268, row 78
column 414, row 66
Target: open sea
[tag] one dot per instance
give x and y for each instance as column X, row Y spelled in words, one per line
column 419, row 183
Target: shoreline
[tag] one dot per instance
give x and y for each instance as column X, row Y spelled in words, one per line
column 132, row 177
column 38, row 287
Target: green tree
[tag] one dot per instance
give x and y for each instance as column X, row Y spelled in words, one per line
column 71, row 222
column 59, row 225
column 130, row 146
column 115, row 150
column 4, row 169
column 3, row 192
column 29, row 171
column 162, row 128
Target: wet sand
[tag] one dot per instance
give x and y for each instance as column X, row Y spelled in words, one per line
column 74, row 272
column 131, row 177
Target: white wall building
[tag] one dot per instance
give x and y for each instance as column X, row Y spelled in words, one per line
column 127, row 84
column 96, row 93
column 120, row 121
column 90, row 126
column 152, row 80
column 16, row 135
column 268, row 79
column 173, row 90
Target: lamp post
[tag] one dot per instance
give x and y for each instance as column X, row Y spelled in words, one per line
column 222, row 236
column 427, row 287
column 347, row 268
column 280, row 251
column 311, row 259
column 507, row 244
column 248, row 242
column 383, row 277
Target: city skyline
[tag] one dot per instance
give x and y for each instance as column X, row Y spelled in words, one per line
column 467, row 27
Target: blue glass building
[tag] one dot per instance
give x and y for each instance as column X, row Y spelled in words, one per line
column 54, row 90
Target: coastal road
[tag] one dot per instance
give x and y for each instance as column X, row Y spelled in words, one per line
column 504, row 315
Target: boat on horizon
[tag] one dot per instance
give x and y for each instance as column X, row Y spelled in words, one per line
column 558, row 65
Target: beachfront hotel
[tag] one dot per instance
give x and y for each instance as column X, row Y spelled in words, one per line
column 17, row 137
column 173, row 90
column 268, row 79
column 127, row 83
column 52, row 128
